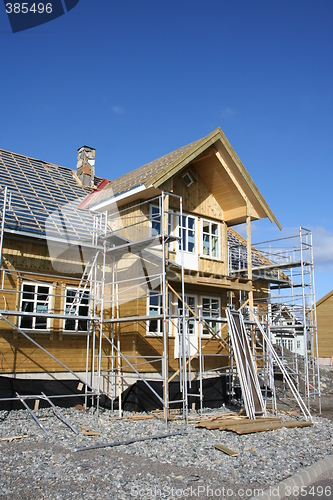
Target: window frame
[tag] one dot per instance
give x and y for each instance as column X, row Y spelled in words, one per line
column 159, row 307
column 210, row 235
column 206, row 333
column 181, row 228
column 188, row 315
column 155, row 219
column 77, row 312
column 36, row 302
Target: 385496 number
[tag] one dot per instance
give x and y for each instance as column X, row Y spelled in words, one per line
column 23, row 8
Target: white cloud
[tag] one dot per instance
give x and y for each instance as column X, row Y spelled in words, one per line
column 228, row 112
column 117, row 109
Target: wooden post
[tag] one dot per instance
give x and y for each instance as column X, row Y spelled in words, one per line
column 224, row 248
column 249, row 258
column 165, row 250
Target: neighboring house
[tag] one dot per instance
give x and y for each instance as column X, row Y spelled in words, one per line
column 325, row 328
column 168, row 239
column 287, row 329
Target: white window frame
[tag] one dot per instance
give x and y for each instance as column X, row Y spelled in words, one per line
column 186, row 228
column 155, row 218
column 77, row 311
column 204, row 332
column 188, row 315
column 39, row 304
column 159, row 311
column 211, row 235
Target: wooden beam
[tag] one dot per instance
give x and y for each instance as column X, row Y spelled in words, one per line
column 249, row 258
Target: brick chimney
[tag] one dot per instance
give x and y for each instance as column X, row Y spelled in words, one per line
column 85, row 167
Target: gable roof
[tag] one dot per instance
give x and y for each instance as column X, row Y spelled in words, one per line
column 43, row 197
column 46, row 200
column 155, row 173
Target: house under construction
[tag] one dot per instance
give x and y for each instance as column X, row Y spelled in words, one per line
column 140, row 293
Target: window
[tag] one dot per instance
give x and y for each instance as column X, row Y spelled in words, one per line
column 288, row 344
column 35, row 298
column 155, row 220
column 188, row 179
column 155, row 309
column 191, row 302
column 187, row 233
column 298, row 344
column 79, row 307
column 210, row 239
column 210, row 310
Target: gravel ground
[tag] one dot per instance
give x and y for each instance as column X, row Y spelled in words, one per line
column 185, row 465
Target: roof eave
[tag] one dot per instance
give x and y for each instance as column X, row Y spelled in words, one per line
column 177, row 165
column 197, row 149
column 249, row 180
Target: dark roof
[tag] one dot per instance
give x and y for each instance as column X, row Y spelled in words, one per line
column 43, row 197
column 158, row 171
column 141, row 175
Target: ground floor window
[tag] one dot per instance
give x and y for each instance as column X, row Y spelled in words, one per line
column 35, row 298
column 76, row 304
column 286, row 343
column 210, row 309
column 190, row 300
column 155, row 305
column 154, row 310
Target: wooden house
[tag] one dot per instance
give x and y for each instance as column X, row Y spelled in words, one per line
column 161, row 243
column 325, row 330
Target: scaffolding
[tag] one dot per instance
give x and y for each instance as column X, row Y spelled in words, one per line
column 134, row 279
column 288, row 313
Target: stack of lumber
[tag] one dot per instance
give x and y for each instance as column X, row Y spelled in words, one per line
column 243, row 425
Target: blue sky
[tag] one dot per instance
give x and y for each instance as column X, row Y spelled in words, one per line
column 137, row 79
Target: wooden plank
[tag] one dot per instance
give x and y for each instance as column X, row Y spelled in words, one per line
column 226, row 450
column 249, row 429
column 290, row 424
column 12, row 438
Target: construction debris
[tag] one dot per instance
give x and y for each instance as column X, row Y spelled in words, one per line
column 226, row 450
column 87, row 432
column 12, row 438
column 128, row 441
column 244, row 425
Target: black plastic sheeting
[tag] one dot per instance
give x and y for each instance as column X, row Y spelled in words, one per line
column 28, row 387
column 137, row 397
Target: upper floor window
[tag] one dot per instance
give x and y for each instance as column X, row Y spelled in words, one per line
column 210, row 239
column 187, row 230
column 210, row 312
column 188, row 178
column 35, row 298
column 76, row 304
column 155, row 217
column 155, row 220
